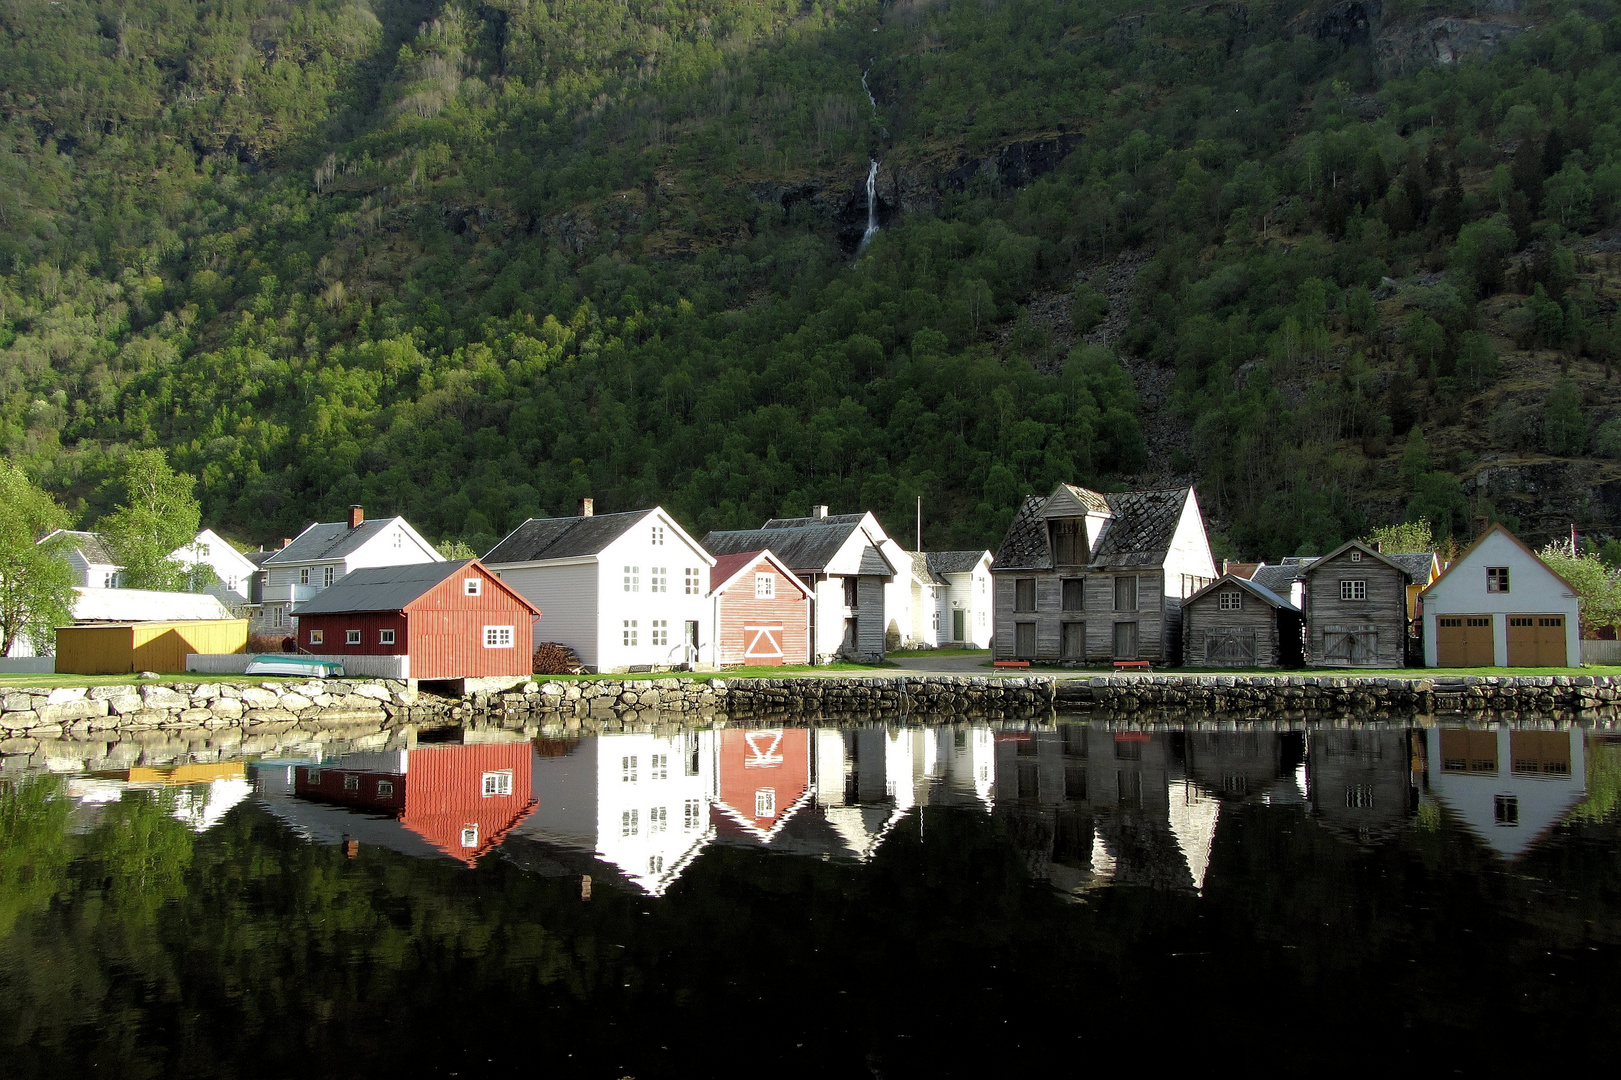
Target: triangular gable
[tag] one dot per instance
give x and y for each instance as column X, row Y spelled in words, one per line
column 1470, row 550
column 1360, row 546
column 1068, row 500
column 1260, row 592
column 748, row 564
column 669, row 522
column 454, row 580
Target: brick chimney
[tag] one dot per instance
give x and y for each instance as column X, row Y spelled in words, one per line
column 356, row 516
column 588, row 507
column 819, row 510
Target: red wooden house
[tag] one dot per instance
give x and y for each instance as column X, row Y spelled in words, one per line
column 449, row 620
column 762, row 610
column 765, row 777
column 461, row 799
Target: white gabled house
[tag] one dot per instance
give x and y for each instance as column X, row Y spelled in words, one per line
column 320, row 555
column 624, row 591
column 852, row 568
column 1499, row 605
column 94, row 564
column 233, row 569
column 965, row 605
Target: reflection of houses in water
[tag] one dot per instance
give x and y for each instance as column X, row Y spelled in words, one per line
column 1361, row 781
column 459, row 801
column 641, row 802
column 764, row 780
column 1508, row 787
column 1090, row 806
column 1249, row 764
column 199, row 795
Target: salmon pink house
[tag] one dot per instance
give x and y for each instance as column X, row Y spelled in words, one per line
column 762, row 610
column 442, row 620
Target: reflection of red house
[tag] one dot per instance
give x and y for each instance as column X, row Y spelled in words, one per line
column 764, row 779
column 762, row 610
column 461, row 799
column 452, row 620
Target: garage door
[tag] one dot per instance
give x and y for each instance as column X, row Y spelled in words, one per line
column 1464, row 641
column 1536, row 641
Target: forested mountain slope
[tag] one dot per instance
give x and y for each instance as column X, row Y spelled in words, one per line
column 469, row 262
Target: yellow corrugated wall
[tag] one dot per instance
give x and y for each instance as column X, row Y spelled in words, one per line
column 155, row 646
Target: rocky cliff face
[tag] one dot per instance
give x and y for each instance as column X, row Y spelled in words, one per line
column 1403, row 48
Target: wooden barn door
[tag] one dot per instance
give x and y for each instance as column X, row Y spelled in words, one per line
column 1353, row 646
column 1072, row 645
column 1230, row 646
column 1467, row 641
column 762, row 644
column 1536, row 641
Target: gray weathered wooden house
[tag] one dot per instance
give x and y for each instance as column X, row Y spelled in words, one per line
column 1356, row 609
column 1235, row 623
column 1087, row 577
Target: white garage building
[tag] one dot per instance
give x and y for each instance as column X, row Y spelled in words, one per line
column 1499, row 605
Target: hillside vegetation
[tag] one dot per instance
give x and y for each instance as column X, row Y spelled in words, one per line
column 473, row 262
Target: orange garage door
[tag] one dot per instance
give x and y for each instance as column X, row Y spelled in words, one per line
column 1536, row 641
column 1464, row 641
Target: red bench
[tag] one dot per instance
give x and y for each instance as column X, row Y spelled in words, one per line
column 1010, row 663
column 1133, row 665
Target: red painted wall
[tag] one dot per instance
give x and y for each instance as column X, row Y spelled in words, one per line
column 442, row 631
column 738, row 609
column 445, row 795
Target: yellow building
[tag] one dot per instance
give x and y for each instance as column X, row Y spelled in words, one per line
column 118, row 648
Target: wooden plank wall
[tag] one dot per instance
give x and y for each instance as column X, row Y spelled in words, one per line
column 1385, row 607
column 1205, row 614
column 1155, row 626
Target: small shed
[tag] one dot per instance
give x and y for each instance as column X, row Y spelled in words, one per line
column 447, row 620
column 1356, row 609
column 1500, row 605
column 118, row 648
column 1234, row 622
column 762, row 610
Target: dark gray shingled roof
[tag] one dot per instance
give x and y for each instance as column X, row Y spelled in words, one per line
column 328, row 540
column 562, row 538
column 806, row 549
column 93, row 546
column 379, row 588
column 954, row 562
column 1277, row 579
column 1025, row 545
column 802, row 522
column 1417, row 563
column 1140, row 532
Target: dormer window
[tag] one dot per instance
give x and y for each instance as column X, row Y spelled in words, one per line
column 1069, row 541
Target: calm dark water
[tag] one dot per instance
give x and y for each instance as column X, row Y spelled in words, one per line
column 835, row 902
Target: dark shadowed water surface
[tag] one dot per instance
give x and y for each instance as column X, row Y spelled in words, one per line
column 838, row 901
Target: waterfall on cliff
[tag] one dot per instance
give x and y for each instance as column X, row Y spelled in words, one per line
column 870, row 99
column 872, row 207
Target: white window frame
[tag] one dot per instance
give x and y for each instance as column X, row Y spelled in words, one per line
column 385, row 637
column 472, row 586
column 496, row 783
column 633, row 579
column 627, row 769
column 351, row 637
column 275, row 616
column 691, row 582
column 351, row 781
column 499, row 637
column 658, row 579
column 317, row 637
column 657, row 537
column 329, row 574
column 385, row 789
column 765, row 586
column 303, row 575
column 470, row 835
column 658, row 820
column 1353, row 589
column 627, row 633
column 1230, row 600
column 765, row 802
column 630, row 823
column 659, row 632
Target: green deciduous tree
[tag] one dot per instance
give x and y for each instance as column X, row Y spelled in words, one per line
column 1404, row 536
column 36, row 582
column 158, row 515
column 1598, row 593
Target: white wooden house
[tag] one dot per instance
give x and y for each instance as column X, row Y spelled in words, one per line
column 964, row 605
column 624, row 591
column 320, row 555
column 233, row 569
column 842, row 558
column 92, row 559
column 1499, row 605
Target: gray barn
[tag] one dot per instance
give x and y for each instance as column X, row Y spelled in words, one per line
column 1233, row 622
column 1356, row 609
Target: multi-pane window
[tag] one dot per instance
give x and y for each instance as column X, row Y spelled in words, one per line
column 633, row 579
column 765, row 586
column 627, row 769
column 351, row 782
column 498, row 637
column 351, row 637
column 658, row 536
column 303, row 575
column 328, row 575
column 661, row 631
column 1497, row 579
column 469, row 836
column 275, row 616
column 655, row 864
column 630, row 823
column 765, row 803
column 472, row 586
column 692, row 815
column 658, row 579
column 628, row 632
column 1506, row 809
column 658, row 767
column 317, row 637
column 1230, row 600
column 1024, row 594
column 497, row 783
column 385, row 789
column 690, row 581
column 385, row 637
column 658, row 819
column 1125, row 593
column 1354, row 590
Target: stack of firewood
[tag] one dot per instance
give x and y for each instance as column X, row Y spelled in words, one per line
column 552, row 658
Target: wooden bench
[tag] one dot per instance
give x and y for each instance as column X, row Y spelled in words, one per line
column 1010, row 663
column 1133, row 665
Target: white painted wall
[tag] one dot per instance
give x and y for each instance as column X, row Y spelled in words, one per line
column 971, row 594
column 565, row 591
column 642, row 601
column 1533, row 590
column 234, row 570
column 1189, row 553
